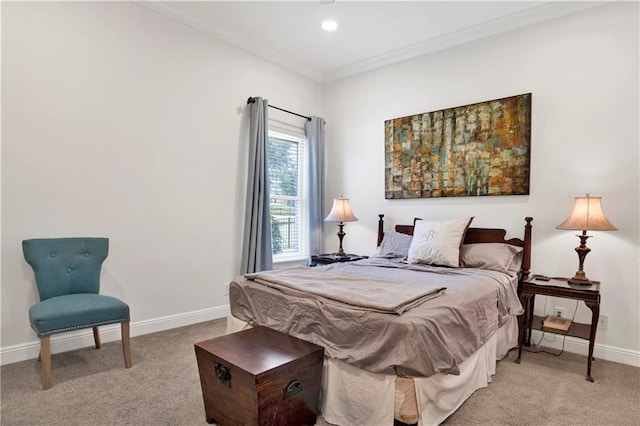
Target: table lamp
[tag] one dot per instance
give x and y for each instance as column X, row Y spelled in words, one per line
column 586, row 215
column 341, row 212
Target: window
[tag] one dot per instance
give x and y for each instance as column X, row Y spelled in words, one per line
column 288, row 207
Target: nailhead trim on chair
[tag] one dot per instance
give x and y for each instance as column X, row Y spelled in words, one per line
column 61, row 330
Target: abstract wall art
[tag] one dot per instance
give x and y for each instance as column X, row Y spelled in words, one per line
column 473, row 150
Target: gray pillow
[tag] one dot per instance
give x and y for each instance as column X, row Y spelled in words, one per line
column 394, row 244
column 494, row 256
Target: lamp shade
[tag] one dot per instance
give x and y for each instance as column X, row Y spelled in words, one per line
column 341, row 211
column 587, row 214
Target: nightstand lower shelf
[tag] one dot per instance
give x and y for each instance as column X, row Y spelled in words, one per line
column 582, row 331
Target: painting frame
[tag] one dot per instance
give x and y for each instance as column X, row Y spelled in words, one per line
column 479, row 149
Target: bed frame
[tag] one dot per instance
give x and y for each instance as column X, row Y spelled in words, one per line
column 480, row 235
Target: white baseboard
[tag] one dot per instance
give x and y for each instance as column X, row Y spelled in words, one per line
column 109, row 333
column 581, row 346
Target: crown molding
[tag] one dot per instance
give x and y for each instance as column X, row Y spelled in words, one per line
column 476, row 32
column 522, row 19
column 174, row 11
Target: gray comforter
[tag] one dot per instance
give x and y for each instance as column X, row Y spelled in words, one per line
column 429, row 324
column 360, row 291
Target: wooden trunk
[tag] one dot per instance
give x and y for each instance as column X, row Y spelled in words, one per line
column 260, row 377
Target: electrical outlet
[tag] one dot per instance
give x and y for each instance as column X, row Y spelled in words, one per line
column 603, row 321
column 559, row 312
column 225, row 289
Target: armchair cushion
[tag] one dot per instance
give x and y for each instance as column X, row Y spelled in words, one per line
column 75, row 311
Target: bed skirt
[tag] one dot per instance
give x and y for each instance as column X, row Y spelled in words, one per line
column 351, row 396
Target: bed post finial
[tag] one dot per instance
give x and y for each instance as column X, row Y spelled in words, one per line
column 380, row 229
column 526, row 258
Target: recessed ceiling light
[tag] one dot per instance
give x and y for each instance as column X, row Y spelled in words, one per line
column 329, row 25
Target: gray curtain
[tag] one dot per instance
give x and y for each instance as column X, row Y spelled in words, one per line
column 315, row 144
column 256, row 242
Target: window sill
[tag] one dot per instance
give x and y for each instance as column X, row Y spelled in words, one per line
column 299, row 261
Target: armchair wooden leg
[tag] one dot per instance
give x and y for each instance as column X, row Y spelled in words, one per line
column 45, row 355
column 126, row 347
column 96, row 337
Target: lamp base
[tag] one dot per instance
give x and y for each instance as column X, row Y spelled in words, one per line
column 580, row 278
column 576, row 281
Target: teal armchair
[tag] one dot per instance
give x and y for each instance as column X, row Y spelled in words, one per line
column 67, row 274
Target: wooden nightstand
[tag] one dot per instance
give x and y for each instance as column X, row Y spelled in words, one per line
column 559, row 287
column 327, row 259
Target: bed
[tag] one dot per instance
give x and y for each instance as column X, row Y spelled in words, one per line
column 410, row 333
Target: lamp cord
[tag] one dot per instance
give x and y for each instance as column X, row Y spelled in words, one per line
column 564, row 336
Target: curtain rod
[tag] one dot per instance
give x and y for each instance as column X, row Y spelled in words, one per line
column 252, row 100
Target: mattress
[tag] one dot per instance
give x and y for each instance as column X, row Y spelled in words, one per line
column 402, row 341
column 463, row 311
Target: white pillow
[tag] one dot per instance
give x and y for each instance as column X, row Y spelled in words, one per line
column 438, row 243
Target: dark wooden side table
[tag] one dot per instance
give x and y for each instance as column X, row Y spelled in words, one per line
column 559, row 287
column 327, row 259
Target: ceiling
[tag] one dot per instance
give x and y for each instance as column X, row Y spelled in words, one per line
column 370, row 34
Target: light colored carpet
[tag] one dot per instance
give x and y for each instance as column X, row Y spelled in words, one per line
column 92, row 387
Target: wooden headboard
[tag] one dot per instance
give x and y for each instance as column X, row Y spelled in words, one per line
column 480, row 235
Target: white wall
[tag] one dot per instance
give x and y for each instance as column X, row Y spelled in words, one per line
column 583, row 73
column 121, row 122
